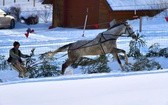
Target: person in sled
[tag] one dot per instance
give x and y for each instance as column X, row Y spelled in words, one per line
column 15, row 60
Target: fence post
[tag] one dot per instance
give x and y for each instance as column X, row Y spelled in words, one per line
column 3, row 2
column 34, row 3
column 140, row 24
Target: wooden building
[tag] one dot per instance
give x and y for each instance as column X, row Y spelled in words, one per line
column 72, row 13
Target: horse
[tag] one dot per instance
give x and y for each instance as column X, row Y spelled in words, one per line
column 104, row 43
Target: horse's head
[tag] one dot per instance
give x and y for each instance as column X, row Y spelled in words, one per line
column 129, row 31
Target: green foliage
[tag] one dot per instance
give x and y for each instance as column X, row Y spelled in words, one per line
column 135, row 45
column 41, row 67
column 153, row 50
column 143, row 63
column 164, row 52
column 90, row 66
column 134, row 50
column 156, row 51
column 3, row 63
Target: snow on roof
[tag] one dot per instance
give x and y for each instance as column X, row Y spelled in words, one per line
column 137, row 4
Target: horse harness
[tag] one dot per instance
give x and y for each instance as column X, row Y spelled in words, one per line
column 100, row 42
column 105, row 40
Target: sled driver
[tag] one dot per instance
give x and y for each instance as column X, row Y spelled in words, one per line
column 15, row 56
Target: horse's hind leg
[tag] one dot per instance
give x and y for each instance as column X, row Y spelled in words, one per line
column 66, row 64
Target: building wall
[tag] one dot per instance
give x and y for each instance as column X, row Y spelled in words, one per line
column 75, row 12
column 104, row 14
column 72, row 13
column 58, row 14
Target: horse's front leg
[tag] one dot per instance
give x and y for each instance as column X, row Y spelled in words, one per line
column 115, row 55
column 124, row 52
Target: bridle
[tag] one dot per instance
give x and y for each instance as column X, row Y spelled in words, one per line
column 127, row 29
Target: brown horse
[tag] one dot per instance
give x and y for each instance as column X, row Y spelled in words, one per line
column 104, row 43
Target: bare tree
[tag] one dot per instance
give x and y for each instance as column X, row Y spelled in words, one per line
column 45, row 13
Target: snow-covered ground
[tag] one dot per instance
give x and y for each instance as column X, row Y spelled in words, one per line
column 24, row 4
column 115, row 88
column 95, row 89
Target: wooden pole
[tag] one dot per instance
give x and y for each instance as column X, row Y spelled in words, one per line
column 34, row 3
column 86, row 18
column 140, row 24
column 3, row 2
column 135, row 11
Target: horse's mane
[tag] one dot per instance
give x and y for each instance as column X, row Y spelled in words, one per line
column 116, row 25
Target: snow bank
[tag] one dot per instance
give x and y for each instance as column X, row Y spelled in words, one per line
column 146, row 89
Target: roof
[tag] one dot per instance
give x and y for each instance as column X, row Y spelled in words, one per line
column 131, row 4
column 137, row 4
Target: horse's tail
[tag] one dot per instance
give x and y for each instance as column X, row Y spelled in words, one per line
column 63, row 48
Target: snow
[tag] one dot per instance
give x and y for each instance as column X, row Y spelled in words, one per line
column 21, row 3
column 136, row 4
column 74, row 88
column 146, row 89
